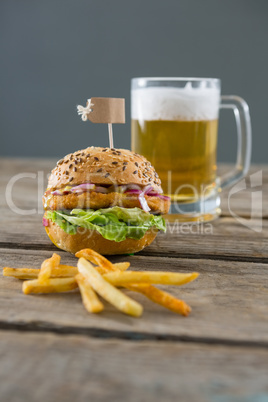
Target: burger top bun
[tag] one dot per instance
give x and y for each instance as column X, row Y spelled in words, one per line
column 104, row 166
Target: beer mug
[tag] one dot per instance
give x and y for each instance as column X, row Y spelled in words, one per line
column 174, row 124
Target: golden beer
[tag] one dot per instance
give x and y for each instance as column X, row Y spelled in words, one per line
column 174, row 124
column 183, row 153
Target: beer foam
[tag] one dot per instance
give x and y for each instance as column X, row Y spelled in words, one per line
column 166, row 103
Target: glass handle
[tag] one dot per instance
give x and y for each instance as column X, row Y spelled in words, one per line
column 243, row 125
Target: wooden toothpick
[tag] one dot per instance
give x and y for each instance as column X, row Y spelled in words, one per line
column 111, row 139
column 104, row 110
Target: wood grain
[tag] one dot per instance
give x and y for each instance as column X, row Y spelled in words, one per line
column 224, row 238
column 217, row 354
column 212, row 240
column 47, row 367
column 229, row 303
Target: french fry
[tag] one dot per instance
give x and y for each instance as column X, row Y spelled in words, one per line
column 121, row 266
column 156, row 277
column 163, row 298
column 21, row 273
column 62, row 271
column 46, row 268
column 56, row 285
column 89, row 297
column 107, row 291
column 153, row 293
column 96, row 259
column 54, row 277
column 103, row 265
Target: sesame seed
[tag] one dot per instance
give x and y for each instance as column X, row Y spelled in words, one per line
column 75, row 169
column 71, row 179
column 135, row 172
column 125, row 163
column 118, row 153
column 124, row 168
column 75, row 162
column 70, row 165
column 96, row 158
column 104, row 150
column 114, row 163
column 150, row 179
column 114, row 153
column 83, row 154
column 107, row 174
column 66, row 172
column 60, row 161
column 78, row 153
column 136, row 163
column 99, row 170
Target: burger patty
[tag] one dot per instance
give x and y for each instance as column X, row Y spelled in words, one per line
column 93, row 200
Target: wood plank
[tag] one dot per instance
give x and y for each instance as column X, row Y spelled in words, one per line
column 229, row 302
column 224, row 238
column 221, row 239
column 212, row 240
column 48, row 367
column 242, row 202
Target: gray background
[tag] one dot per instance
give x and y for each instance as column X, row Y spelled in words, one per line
column 57, row 53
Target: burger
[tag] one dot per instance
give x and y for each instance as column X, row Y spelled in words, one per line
column 106, row 199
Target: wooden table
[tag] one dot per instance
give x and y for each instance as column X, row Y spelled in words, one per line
column 51, row 349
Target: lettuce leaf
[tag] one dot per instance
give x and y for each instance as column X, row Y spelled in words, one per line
column 114, row 223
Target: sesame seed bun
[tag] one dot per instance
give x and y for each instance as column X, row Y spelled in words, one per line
column 104, row 166
column 92, row 239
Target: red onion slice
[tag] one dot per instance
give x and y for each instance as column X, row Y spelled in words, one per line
column 148, row 189
column 57, row 192
column 133, row 191
column 163, row 197
column 143, row 203
column 45, row 222
column 79, row 191
column 141, row 194
column 100, row 189
column 84, row 187
column 132, row 187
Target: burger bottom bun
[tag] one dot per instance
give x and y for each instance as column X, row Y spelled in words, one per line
column 94, row 240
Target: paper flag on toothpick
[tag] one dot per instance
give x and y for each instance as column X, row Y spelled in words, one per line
column 104, row 110
column 107, row 110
